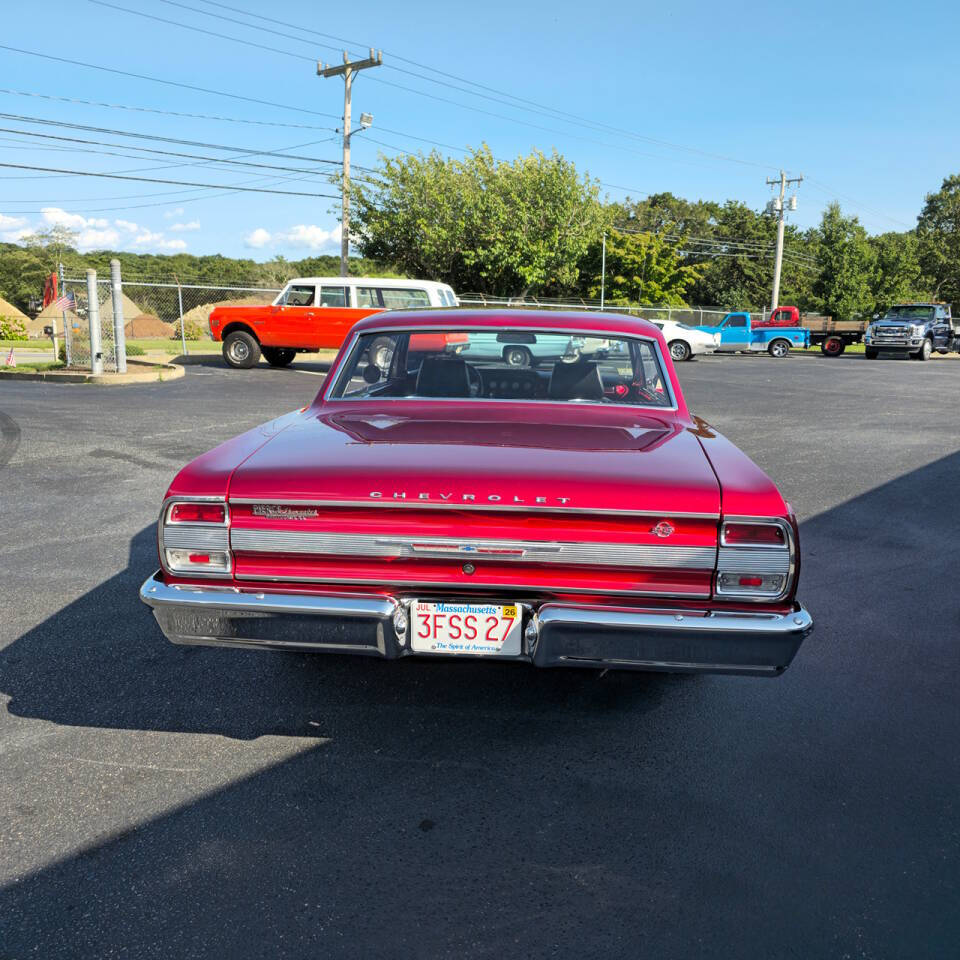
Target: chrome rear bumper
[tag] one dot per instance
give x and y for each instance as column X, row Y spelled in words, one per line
column 556, row 635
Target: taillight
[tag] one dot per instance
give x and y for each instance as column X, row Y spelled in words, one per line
column 197, row 513
column 195, row 539
column 756, row 559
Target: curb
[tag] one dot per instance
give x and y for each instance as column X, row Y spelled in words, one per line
column 155, row 373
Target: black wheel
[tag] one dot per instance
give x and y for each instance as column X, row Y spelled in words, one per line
column 832, row 347
column 517, row 356
column 779, row 349
column 241, row 350
column 925, row 351
column 680, row 350
column 279, row 356
column 870, row 353
column 381, row 352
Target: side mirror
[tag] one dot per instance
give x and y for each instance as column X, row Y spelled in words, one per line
column 876, row 316
column 372, row 374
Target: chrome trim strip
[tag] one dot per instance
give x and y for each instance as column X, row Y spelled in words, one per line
column 259, row 540
column 533, row 509
column 742, row 560
column 434, row 585
column 196, row 537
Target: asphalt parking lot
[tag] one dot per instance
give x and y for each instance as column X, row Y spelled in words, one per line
column 160, row 801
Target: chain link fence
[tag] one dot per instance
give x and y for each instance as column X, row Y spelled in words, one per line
column 692, row 316
column 75, row 318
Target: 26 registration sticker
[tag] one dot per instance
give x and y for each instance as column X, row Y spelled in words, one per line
column 473, row 629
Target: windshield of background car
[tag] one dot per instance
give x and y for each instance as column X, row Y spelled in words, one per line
column 504, row 364
column 909, row 313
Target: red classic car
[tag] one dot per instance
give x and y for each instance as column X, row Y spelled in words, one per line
column 571, row 512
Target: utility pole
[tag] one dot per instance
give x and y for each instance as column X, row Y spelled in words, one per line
column 347, row 70
column 780, row 210
column 603, row 269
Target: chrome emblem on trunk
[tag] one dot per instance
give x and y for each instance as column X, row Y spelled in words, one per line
column 284, row 513
column 662, row 529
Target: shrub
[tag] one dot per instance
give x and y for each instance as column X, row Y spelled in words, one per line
column 193, row 331
column 134, row 350
column 12, row 329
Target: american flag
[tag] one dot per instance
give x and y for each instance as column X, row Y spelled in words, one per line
column 11, row 360
column 65, row 302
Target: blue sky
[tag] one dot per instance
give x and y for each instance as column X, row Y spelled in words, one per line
column 703, row 99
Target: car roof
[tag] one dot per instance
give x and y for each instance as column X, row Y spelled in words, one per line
column 580, row 320
column 372, row 281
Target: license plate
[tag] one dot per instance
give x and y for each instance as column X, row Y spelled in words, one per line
column 473, row 629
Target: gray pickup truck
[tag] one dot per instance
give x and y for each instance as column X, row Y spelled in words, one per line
column 913, row 329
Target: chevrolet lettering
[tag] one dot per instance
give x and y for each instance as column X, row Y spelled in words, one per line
column 439, row 500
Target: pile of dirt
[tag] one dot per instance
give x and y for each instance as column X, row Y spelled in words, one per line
column 52, row 316
column 146, row 326
column 200, row 315
column 8, row 310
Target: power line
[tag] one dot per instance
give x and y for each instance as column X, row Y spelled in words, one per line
column 521, row 102
column 178, row 183
column 169, row 83
column 157, row 110
column 422, row 93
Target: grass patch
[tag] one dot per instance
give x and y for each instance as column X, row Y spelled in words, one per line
column 33, row 367
column 175, row 347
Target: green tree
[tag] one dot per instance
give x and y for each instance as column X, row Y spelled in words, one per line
column 938, row 232
column 478, row 224
column 641, row 268
column 897, row 271
column 847, row 263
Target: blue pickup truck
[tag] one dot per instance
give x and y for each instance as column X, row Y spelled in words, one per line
column 737, row 334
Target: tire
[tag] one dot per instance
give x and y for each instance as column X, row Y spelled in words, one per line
column 279, row 356
column 381, row 352
column 680, row 351
column 517, row 356
column 926, row 349
column 241, row 350
column 779, row 348
column 870, row 353
column 832, row 347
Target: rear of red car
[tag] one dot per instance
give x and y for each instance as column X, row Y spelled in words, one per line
column 580, row 534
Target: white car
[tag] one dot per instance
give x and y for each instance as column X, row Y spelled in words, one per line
column 686, row 342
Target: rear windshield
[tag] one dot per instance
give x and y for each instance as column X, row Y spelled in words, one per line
column 504, row 364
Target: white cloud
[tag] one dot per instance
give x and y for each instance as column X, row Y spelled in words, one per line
column 94, row 239
column 126, row 225
column 54, row 216
column 259, row 238
column 192, row 225
column 170, row 214
column 7, row 222
column 149, row 238
column 15, row 236
column 309, row 236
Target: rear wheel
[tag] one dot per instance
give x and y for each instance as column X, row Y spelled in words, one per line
column 779, row 349
column 517, row 356
column 832, row 347
column 241, row 350
column 279, row 356
column 680, row 350
column 870, row 353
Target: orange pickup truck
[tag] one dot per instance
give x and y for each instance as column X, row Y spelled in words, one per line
column 315, row 313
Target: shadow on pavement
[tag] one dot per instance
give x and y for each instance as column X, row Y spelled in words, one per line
column 307, row 361
column 483, row 810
